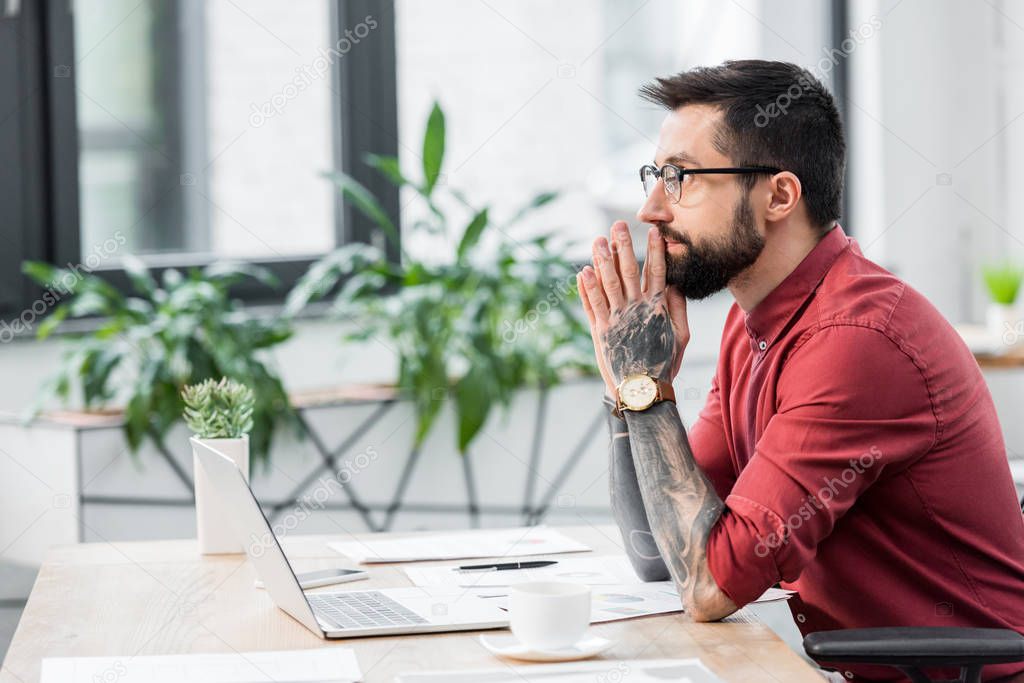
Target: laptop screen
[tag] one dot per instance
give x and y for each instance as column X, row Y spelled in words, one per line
column 256, row 536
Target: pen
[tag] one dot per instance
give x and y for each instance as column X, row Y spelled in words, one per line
column 505, row 565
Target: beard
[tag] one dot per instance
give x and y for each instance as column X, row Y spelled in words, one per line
column 709, row 267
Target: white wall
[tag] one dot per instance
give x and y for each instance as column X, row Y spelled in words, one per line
column 936, row 144
column 936, row 121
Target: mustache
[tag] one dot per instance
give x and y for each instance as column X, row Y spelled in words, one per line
column 671, row 235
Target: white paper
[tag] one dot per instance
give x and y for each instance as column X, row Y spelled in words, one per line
column 626, row 600
column 490, row 543
column 592, row 571
column 323, row 665
column 631, row 670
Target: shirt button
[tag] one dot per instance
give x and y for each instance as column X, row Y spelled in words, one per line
column 801, row 618
column 849, row 674
column 762, row 345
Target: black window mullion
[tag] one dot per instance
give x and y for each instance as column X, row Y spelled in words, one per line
column 366, row 113
column 22, row 162
column 60, row 122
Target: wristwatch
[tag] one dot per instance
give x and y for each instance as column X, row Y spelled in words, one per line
column 639, row 392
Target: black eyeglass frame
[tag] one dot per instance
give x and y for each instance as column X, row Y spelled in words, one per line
column 681, row 174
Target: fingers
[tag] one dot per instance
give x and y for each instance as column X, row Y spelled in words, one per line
column 645, row 277
column 628, row 268
column 596, row 301
column 676, row 304
column 585, row 300
column 605, row 265
column 655, row 262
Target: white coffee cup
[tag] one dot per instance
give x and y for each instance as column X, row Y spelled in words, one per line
column 549, row 615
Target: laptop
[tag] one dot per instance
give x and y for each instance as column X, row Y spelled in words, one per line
column 339, row 614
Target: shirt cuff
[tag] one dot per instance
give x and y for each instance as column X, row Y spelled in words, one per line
column 741, row 549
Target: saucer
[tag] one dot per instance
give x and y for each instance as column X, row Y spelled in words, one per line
column 507, row 645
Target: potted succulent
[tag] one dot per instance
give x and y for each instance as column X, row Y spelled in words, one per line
column 1003, row 283
column 473, row 323
column 220, row 414
column 147, row 345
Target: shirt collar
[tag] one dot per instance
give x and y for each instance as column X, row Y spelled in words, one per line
column 766, row 321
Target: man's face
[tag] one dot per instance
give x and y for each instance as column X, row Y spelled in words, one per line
column 712, row 232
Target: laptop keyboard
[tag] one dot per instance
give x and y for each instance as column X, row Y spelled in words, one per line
column 362, row 609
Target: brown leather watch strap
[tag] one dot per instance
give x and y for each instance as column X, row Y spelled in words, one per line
column 666, row 392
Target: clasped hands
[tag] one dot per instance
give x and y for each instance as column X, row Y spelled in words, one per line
column 638, row 325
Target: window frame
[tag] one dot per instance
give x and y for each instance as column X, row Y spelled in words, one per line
column 42, row 189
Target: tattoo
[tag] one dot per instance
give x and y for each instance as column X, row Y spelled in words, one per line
column 682, row 506
column 641, row 339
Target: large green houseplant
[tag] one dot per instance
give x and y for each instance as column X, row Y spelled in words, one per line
column 474, row 324
column 164, row 336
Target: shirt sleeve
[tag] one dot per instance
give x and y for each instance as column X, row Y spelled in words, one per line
column 851, row 406
column 708, row 443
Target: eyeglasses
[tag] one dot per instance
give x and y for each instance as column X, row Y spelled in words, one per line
column 674, row 176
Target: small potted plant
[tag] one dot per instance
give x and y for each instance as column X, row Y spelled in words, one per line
column 220, row 415
column 1003, row 283
column 143, row 346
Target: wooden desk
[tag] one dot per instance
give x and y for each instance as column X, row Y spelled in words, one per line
column 162, row 597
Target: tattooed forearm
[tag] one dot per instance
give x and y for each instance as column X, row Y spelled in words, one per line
column 682, row 506
column 628, row 505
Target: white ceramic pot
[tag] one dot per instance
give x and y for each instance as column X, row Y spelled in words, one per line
column 1003, row 322
column 214, row 527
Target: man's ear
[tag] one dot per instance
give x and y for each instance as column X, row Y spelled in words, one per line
column 784, row 194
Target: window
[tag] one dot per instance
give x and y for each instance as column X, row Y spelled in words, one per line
column 556, row 91
column 173, row 137
column 188, row 131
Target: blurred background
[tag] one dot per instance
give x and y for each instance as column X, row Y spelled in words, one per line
column 372, row 212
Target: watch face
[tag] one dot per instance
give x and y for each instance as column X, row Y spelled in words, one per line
column 638, row 392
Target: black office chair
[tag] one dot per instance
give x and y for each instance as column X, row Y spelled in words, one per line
column 913, row 648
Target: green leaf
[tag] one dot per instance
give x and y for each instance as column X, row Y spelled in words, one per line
column 139, row 275
column 95, row 372
column 363, row 200
column 388, row 167
column 172, row 278
column 535, row 203
column 1003, row 281
column 472, row 234
column 473, row 397
column 41, row 273
column 229, row 272
column 52, row 322
column 433, row 149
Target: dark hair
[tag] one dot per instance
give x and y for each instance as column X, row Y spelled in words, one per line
column 774, row 114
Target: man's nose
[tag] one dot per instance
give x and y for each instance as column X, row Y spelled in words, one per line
column 656, row 208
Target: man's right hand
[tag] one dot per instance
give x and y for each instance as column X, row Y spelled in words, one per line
column 677, row 303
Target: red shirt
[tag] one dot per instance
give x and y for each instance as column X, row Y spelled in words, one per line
column 855, row 444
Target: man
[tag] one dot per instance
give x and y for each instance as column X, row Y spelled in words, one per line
column 849, row 448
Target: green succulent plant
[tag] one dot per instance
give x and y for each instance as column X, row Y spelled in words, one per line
column 473, row 325
column 218, row 410
column 148, row 345
column 1003, row 281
